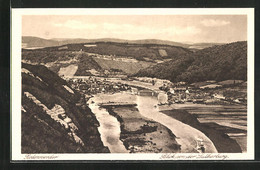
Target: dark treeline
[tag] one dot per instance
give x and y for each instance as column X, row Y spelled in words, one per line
column 214, row 63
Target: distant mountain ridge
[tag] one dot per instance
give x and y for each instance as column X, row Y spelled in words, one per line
column 31, row 42
column 28, row 42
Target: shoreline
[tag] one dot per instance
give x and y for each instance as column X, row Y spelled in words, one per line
column 144, row 138
column 216, row 133
column 222, row 142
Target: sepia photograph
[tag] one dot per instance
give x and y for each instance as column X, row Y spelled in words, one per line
column 132, row 84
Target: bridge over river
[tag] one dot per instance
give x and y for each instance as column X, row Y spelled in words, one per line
column 149, row 86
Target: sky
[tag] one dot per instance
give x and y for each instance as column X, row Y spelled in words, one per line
column 178, row 28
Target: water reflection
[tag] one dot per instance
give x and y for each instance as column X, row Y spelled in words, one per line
column 109, row 129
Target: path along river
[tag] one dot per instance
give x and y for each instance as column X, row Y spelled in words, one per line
column 110, row 127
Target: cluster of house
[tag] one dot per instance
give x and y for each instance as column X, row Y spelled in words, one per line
column 202, row 92
column 208, row 92
column 93, row 85
column 111, row 73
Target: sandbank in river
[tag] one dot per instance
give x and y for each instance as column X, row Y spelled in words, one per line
column 144, row 129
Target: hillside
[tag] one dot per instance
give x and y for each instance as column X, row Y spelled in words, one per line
column 126, row 67
column 203, row 45
column 29, row 42
column 145, row 52
column 102, row 56
column 57, row 60
column 78, row 63
column 55, row 118
column 218, row 63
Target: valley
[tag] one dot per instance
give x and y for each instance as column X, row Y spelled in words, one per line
column 136, row 98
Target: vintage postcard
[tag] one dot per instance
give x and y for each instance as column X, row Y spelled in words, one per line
column 132, row 84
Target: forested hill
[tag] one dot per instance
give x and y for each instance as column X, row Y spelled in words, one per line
column 218, row 63
column 145, row 52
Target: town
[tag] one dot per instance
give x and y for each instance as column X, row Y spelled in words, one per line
column 208, row 92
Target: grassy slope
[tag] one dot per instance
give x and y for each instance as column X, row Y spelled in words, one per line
column 129, row 68
column 83, row 61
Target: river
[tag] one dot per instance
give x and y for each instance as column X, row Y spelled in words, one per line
column 187, row 136
column 109, row 128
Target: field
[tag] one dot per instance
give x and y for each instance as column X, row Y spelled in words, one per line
column 231, row 121
column 127, row 67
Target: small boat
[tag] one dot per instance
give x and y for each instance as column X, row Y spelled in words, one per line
column 200, row 146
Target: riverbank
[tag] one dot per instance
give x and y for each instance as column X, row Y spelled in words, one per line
column 134, row 120
column 140, row 126
column 229, row 120
column 187, row 136
column 222, row 142
column 109, row 128
column 142, row 135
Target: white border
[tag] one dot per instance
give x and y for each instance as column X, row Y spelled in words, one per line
column 16, row 27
